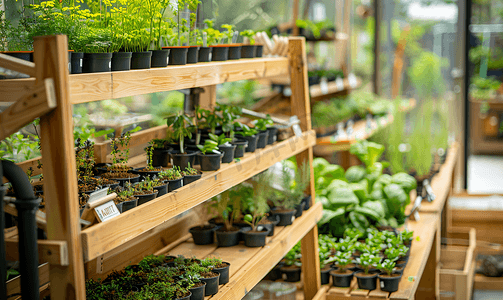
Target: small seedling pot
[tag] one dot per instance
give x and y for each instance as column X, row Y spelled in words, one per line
column 210, row 162
column 190, row 178
column 366, row 281
column 292, row 273
column 197, row 293
column 401, row 263
column 390, row 284
column 160, row 157
column 252, row 142
column 76, row 62
column 259, row 49
column 174, row 184
column 141, row 60
column 224, row 273
column 254, row 238
column 97, row 62
column 132, row 180
column 159, row 58
column 228, row 153
column 274, row 220
column 186, row 297
column 211, row 285
column 341, row 279
column 145, row 173
column 227, row 238
column 161, row 190
column 178, row 55
column 299, row 210
column 307, row 202
column 325, row 275
column 275, row 273
column 220, row 53
column 234, row 52
column 262, row 139
column 127, row 205
column 271, row 138
column 193, row 55
column 248, row 51
column 121, row 61
column 203, row 235
column 241, row 146
column 142, row 199
column 286, row 217
column 204, row 54
column 183, row 160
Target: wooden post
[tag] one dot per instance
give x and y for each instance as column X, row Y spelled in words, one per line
column 302, row 109
column 208, row 99
column 295, row 17
column 60, row 178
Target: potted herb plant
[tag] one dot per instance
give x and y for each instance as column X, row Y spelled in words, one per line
column 248, row 47
column 173, row 177
column 342, row 276
column 190, row 175
column 261, row 192
column 180, row 126
column 389, row 280
column 203, row 234
column 97, row 50
column 119, row 171
column 125, row 199
column 220, row 52
column 248, row 134
column 231, row 35
column 263, row 133
column 144, row 191
column 228, row 209
column 224, row 146
column 292, row 265
column 193, row 51
column 367, row 280
column 218, row 266
column 158, row 26
column 149, row 170
column 406, row 237
column 229, row 115
column 209, row 157
column 271, row 129
column 209, row 277
column 160, row 154
column 325, row 256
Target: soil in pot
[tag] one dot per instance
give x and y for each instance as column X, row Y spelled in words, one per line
column 174, row 184
column 198, row 291
column 219, row 53
column 178, row 55
column 204, row 54
column 275, row 273
column 325, row 275
column 292, row 273
column 234, row 52
column 141, row 60
column 252, row 142
column 97, row 62
column 248, row 51
column 299, row 209
column 203, row 235
column 286, row 216
column 183, row 160
column 390, row 283
column 241, row 146
column 271, row 138
column 228, row 153
column 121, row 61
column 160, row 157
column 223, row 270
column 161, row 189
column 211, row 280
column 159, row 58
column 76, row 62
column 210, row 162
column 227, row 238
column 255, row 238
column 366, row 281
column 142, row 199
column 193, row 55
column 341, row 279
column 259, row 49
column 262, row 139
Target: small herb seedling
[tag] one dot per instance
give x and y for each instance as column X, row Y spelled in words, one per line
column 368, row 260
column 387, row 265
column 210, row 146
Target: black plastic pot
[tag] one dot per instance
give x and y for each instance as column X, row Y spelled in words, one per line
column 224, row 273
column 401, row 263
column 262, row 139
column 255, row 239
column 183, row 160
column 121, row 61
column 366, row 282
column 211, row 285
column 145, row 173
column 259, row 50
column 24, row 55
column 159, row 58
column 76, row 62
column 274, row 219
column 292, row 274
column 252, row 142
column 307, row 202
column 341, row 279
column 186, row 297
column 204, row 54
column 210, row 162
column 285, row 217
column 228, row 153
column 299, row 209
column 127, row 205
column 160, row 157
column 241, row 146
column 178, row 56
column 390, row 284
column 275, row 273
column 227, row 238
column 141, row 60
column 248, row 51
column 190, row 178
column 197, row 293
column 132, row 180
column 234, row 52
column 97, row 62
column 174, row 184
column 325, row 275
column 220, row 53
column 203, row 235
column 161, row 190
column 271, row 138
column 142, row 199
column 193, row 55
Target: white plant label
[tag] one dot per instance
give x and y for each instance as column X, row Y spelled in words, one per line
column 324, row 87
column 297, row 130
column 110, row 65
column 339, row 83
column 107, row 211
column 80, row 62
column 352, row 80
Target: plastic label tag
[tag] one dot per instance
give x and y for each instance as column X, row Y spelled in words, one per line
column 339, row 84
column 107, row 211
column 109, row 64
column 80, row 62
column 352, row 80
column 324, row 86
column 297, row 130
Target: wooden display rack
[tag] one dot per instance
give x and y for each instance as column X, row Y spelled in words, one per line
column 159, row 223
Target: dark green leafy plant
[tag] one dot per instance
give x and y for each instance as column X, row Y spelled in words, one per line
column 387, row 266
column 227, row 208
column 180, row 125
column 343, row 259
column 221, row 139
column 368, row 260
column 210, row 146
column 171, row 174
column 293, row 184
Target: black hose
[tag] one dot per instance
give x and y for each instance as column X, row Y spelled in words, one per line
column 3, row 262
column 27, row 206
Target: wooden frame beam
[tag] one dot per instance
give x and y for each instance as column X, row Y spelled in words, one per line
column 16, row 64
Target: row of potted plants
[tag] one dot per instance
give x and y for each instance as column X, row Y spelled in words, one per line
column 162, row 277
column 250, row 212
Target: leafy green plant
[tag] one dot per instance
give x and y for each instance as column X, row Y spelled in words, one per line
column 262, row 124
column 220, row 140
column 292, row 258
column 419, row 158
column 229, row 209
column 249, row 34
column 210, row 147
column 368, row 260
column 179, row 124
column 261, row 192
column 343, row 259
column 189, row 171
column 230, row 113
column 392, row 253
column 387, row 266
column 406, row 236
column 171, row 174
column 246, row 131
column 229, row 32
column 293, row 185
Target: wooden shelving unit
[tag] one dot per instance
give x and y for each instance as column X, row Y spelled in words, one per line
column 140, row 231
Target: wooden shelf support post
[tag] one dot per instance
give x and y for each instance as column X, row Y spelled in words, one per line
column 60, row 178
column 302, row 109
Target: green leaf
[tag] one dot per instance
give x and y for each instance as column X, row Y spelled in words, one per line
column 328, row 215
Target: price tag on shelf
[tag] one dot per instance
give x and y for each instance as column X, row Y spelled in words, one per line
column 106, row 211
column 324, row 86
column 352, row 81
column 339, row 83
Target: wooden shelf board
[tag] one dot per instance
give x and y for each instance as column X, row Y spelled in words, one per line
column 317, row 93
column 111, row 85
column 250, row 265
column 104, row 237
column 426, row 230
column 482, row 282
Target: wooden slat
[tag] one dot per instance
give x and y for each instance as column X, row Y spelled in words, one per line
column 103, row 237
column 110, row 85
column 317, row 94
column 10, row 209
column 54, row 252
column 60, row 178
column 14, row 285
column 482, row 282
column 39, row 100
column 16, row 64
